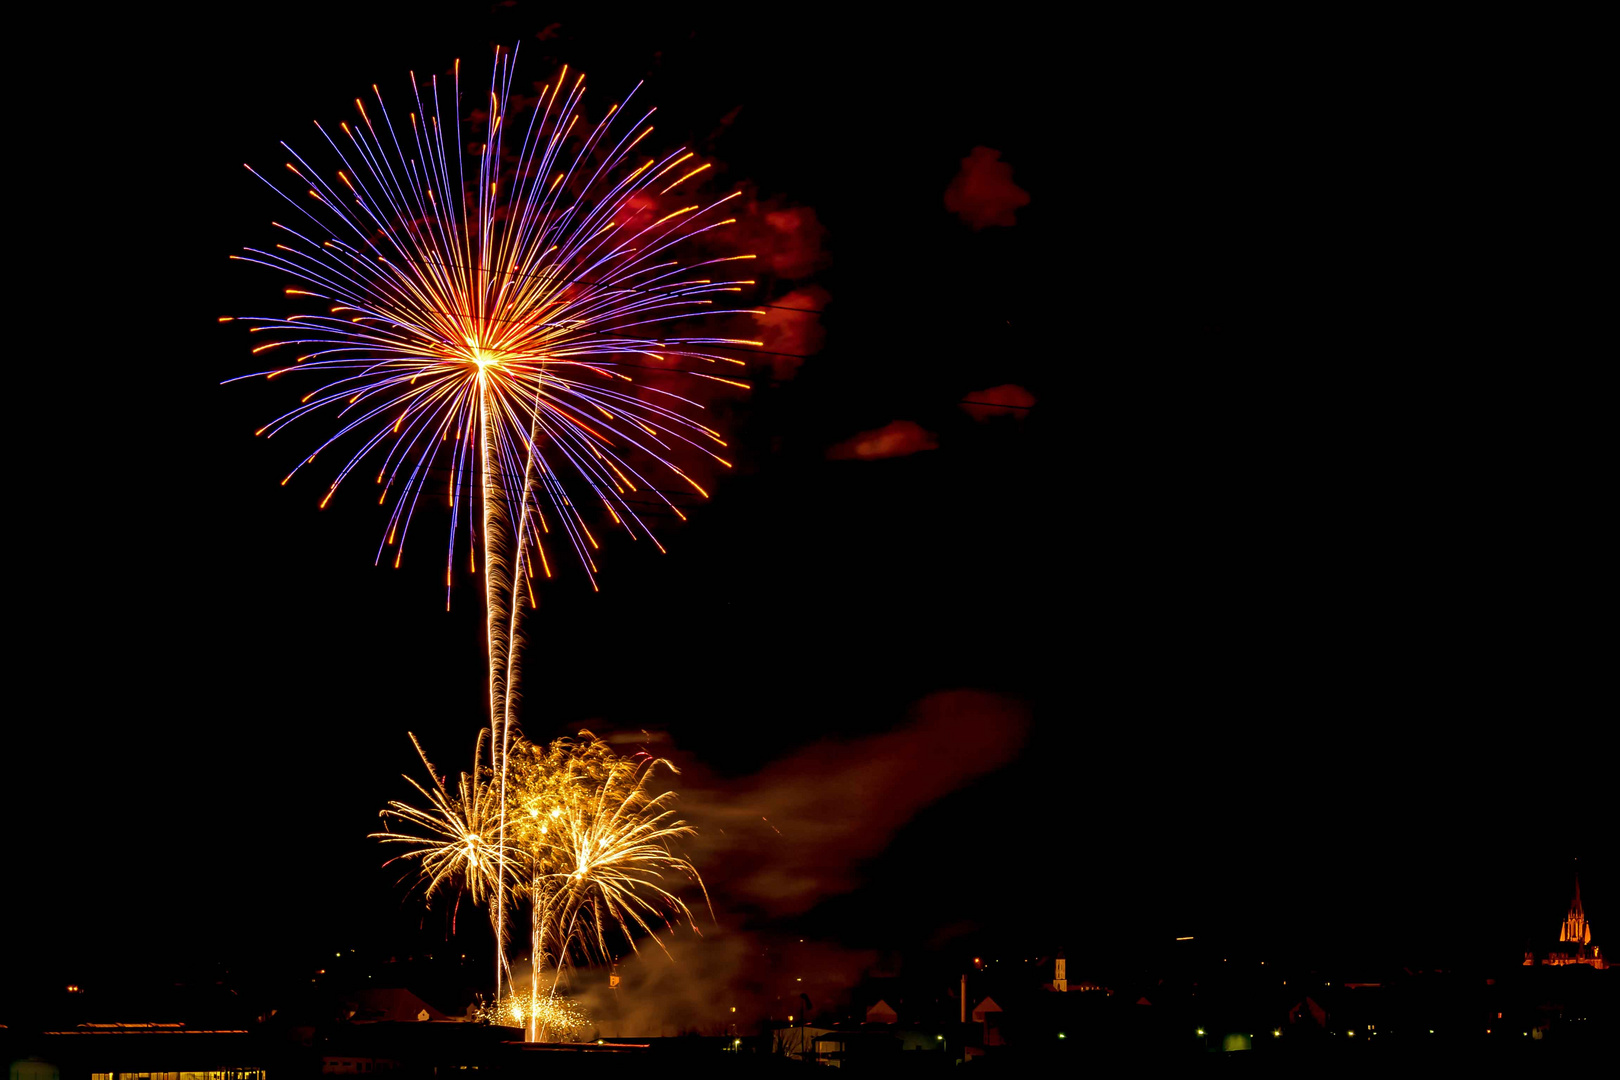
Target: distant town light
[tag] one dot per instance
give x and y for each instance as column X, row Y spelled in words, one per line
column 1277, row 1032
column 1184, row 939
column 1062, row 1036
column 1200, row 1031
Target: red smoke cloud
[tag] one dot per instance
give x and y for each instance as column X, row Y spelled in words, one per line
column 796, row 235
column 896, row 439
column 983, row 192
column 797, row 832
column 794, row 334
column 639, row 203
column 1008, row 399
column 694, row 986
column 785, row 240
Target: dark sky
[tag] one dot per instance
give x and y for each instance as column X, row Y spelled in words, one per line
column 1292, row 570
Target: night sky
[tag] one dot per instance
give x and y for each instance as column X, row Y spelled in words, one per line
column 1278, row 607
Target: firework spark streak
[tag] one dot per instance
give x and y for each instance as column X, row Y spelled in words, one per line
column 483, row 314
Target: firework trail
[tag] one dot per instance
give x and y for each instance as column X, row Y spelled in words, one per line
column 484, row 314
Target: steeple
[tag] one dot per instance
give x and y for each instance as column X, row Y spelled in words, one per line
column 1575, row 928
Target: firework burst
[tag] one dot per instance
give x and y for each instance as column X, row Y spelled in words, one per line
column 485, row 317
column 456, row 834
column 486, row 314
column 613, row 859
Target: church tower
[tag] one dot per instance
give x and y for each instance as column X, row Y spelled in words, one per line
column 1060, row 974
column 1575, row 929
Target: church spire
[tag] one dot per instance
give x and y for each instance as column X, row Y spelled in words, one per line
column 1576, row 929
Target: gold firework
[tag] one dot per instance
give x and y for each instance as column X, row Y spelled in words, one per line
column 457, row 842
column 548, row 1016
column 589, row 849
